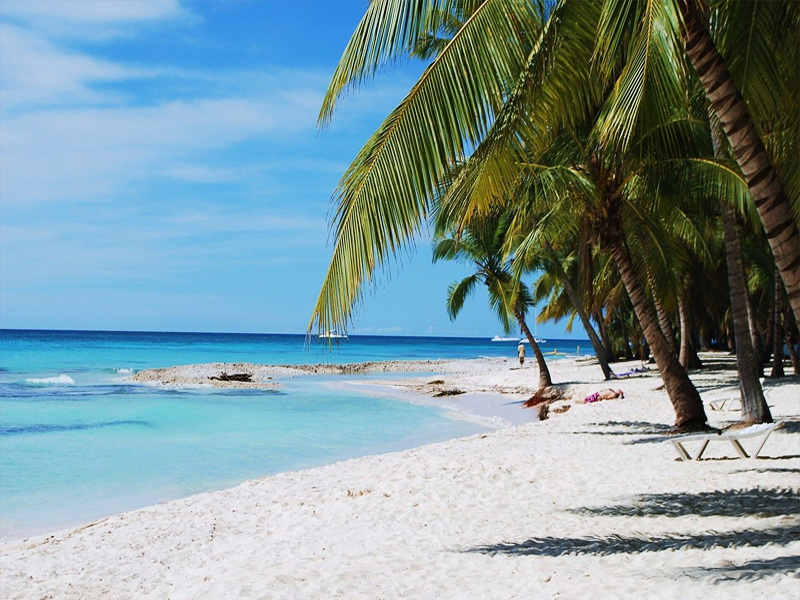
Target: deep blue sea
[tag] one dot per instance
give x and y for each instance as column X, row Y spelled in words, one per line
column 77, row 443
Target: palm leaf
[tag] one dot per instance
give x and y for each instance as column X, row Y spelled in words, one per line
column 457, row 294
column 384, row 197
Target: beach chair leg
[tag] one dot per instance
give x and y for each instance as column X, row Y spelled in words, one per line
column 702, row 449
column 684, row 455
column 764, row 441
column 739, row 450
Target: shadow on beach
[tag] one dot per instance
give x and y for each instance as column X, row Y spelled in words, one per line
column 618, row 544
column 751, row 570
column 756, row 502
column 731, row 503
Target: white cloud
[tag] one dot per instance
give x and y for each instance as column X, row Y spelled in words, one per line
column 96, row 19
column 35, row 72
column 82, row 154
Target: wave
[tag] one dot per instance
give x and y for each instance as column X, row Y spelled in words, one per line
column 62, row 379
column 42, row 428
column 125, row 371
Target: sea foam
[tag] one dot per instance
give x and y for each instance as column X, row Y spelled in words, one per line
column 60, row 380
column 125, row 371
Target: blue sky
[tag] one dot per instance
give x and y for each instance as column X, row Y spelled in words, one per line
column 161, row 169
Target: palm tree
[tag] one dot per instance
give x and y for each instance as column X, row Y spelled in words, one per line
column 549, row 261
column 754, row 406
column 511, row 77
column 481, row 246
column 565, row 301
column 761, row 28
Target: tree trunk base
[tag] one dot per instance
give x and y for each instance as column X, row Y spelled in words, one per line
column 748, row 423
column 691, row 427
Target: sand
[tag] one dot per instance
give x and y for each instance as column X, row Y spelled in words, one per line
column 588, row 503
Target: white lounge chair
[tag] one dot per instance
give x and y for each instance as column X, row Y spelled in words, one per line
column 733, row 436
column 732, row 402
column 726, row 403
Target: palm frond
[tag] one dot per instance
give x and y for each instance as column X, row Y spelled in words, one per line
column 384, row 196
column 651, row 87
column 556, row 86
column 457, row 294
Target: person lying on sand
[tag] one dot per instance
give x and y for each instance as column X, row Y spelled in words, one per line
column 637, row 370
column 608, row 394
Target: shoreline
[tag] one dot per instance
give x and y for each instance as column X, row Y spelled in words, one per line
column 546, row 508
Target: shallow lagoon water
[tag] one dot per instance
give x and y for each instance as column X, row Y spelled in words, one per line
column 77, row 443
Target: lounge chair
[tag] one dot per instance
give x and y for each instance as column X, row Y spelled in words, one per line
column 732, row 402
column 725, row 403
column 733, row 436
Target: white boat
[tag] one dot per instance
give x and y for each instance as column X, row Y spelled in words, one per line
column 332, row 335
column 538, row 340
column 499, row 338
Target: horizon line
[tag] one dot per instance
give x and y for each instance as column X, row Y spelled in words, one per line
column 476, row 337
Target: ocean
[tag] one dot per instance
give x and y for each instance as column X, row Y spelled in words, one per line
column 77, row 443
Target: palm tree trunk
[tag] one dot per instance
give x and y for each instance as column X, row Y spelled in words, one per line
column 777, row 333
column 666, row 326
column 770, row 332
column 754, row 406
column 599, row 351
column 601, row 324
column 626, row 340
column 544, row 372
column 759, row 173
column 688, row 356
column 689, row 412
column 792, row 351
column 755, row 336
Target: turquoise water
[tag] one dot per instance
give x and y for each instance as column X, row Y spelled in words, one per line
column 76, row 443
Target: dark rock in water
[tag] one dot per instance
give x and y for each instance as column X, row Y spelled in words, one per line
column 453, row 392
column 436, row 382
column 245, row 377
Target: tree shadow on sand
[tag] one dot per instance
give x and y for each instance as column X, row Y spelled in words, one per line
column 617, row 544
column 751, row 570
column 756, row 502
column 642, row 432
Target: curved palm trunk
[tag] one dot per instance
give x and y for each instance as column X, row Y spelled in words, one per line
column 762, row 180
column 599, row 351
column 665, row 325
column 544, row 372
column 754, row 406
column 689, row 412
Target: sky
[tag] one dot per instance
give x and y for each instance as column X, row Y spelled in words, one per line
column 161, row 169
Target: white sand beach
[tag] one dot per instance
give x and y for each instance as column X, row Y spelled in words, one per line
column 588, row 503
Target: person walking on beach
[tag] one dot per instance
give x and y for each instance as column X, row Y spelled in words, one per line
column 521, row 354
